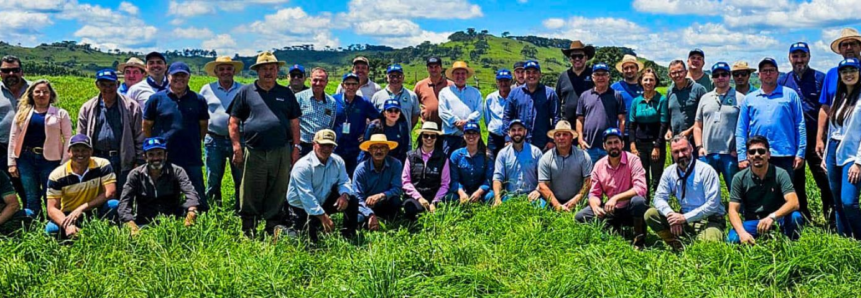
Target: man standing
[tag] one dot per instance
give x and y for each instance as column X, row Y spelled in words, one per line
column 696, row 187
column 113, row 122
column 180, row 116
column 741, row 77
column 318, row 109
column 319, row 186
column 766, row 195
column 458, row 105
column 219, row 95
column 351, row 120
column 395, row 91
column 13, row 87
column 536, row 106
column 716, row 120
column 133, row 72
column 564, row 172
column 697, row 60
column 598, row 109
column 428, row 91
column 269, row 115
column 516, row 167
column 519, row 74
column 297, row 78
column 156, row 81
column 683, row 97
column 807, row 83
column 629, row 87
column 367, row 88
column 774, row 112
column 377, row 182
column 621, row 178
column 575, row 80
column 494, row 110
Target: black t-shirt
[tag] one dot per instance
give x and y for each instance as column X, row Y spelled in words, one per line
column 265, row 115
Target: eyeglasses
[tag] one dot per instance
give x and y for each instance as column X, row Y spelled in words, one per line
column 429, row 136
column 849, row 44
column 393, row 111
column 395, row 76
column 106, row 84
column 351, row 84
column 740, row 74
column 378, row 148
column 601, row 74
column 720, row 75
column 677, row 73
column 757, row 151
column 10, row 70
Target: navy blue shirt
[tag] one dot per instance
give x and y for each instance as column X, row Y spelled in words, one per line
column 808, row 86
column 399, row 133
column 368, row 181
column 109, row 127
column 265, row 115
column 539, row 112
column 35, row 131
column 357, row 113
column 177, row 120
column 470, row 173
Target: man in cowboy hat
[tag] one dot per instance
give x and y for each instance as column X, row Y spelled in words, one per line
column 377, row 182
column 297, row 78
column 516, row 168
column 519, row 74
column 696, row 62
column 156, row 81
column 847, row 45
column 536, row 105
column 319, row 186
column 716, row 120
column 367, row 88
column 218, row 149
column 741, row 77
column 395, row 90
column 458, row 105
column 428, row 90
column 318, row 109
column 629, row 86
column 598, row 109
column 270, row 117
column 575, row 80
column 564, row 172
column 133, row 72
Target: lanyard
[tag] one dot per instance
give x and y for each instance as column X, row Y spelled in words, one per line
column 684, row 177
column 155, row 86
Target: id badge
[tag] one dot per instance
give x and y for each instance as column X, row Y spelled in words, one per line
column 345, row 128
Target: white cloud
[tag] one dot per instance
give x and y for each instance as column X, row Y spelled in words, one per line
column 193, row 8
column 438, row 9
column 697, row 7
column 34, row 5
column 193, row 33
column 117, row 36
column 553, row 23
column 129, row 8
column 189, row 9
column 401, row 42
column 718, row 36
column 391, row 27
column 813, row 14
column 23, row 22
column 220, row 42
column 290, row 20
column 604, row 31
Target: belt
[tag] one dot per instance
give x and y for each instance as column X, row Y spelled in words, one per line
column 108, row 153
column 34, row 150
column 215, row 135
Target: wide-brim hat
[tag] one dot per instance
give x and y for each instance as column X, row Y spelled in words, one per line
column 210, row 66
column 845, row 34
column 459, row 65
column 562, row 126
column 266, row 58
column 378, row 139
column 132, row 62
column 629, row 59
column 741, row 66
column 578, row 45
column 430, row 127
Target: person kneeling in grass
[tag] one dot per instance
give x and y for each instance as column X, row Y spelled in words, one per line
column 696, row 186
column 377, row 182
column 156, row 188
column 564, row 172
column 82, row 184
column 426, row 175
column 768, row 197
column 10, row 209
column 516, row 167
column 471, row 169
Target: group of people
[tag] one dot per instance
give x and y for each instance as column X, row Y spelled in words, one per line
column 297, row 154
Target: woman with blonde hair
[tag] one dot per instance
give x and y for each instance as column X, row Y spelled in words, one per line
column 38, row 140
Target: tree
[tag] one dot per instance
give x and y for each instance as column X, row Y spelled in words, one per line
column 505, row 34
column 529, row 51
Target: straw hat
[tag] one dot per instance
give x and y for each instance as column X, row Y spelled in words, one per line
column 459, row 65
column 742, row 66
column 266, row 58
column 210, row 67
column 132, row 62
column 429, row 127
column 562, row 126
column 378, row 139
column 629, row 59
column 846, row 33
column 579, row 46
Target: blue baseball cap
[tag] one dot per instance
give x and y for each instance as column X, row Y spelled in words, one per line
column 152, row 55
column 472, row 126
column 531, row 64
column 178, row 67
column 849, row 62
column 720, row 66
column 394, row 68
column 350, row 75
column 391, row 104
column 503, row 74
column 518, row 64
column 767, row 60
column 296, row 67
column 799, row 46
column 600, row 66
column 612, row 131
column 697, row 51
column 106, row 74
column 154, row 143
column 80, row 139
column 516, row 121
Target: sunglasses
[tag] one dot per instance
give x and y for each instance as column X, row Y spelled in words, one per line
column 578, row 56
column 10, row 70
column 757, row 151
column 740, row 74
column 720, row 75
column 429, row 136
column 297, row 75
column 393, row 111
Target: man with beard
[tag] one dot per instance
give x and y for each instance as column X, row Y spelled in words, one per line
column 157, row 188
column 621, row 178
column 516, row 167
column 575, row 80
column 696, row 61
column 156, row 81
column 428, row 90
column 297, row 78
column 377, row 182
column 807, row 82
column 13, row 87
column 133, row 72
column 741, row 77
column 519, row 74
column 764, row 195
column 564, row 172
column 535, row 105
column 683, row 97
column 629, row 86
column 367, row 88
column 696, row 187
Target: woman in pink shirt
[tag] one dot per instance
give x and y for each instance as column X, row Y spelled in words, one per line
column 38, row 141
column 426, row 175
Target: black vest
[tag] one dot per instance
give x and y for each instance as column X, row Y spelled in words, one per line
column 427, row 178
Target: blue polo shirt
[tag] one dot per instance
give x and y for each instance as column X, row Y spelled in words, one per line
column 177, row 119
column 368, row 181
column 470, row 173
column 808, row 86
column 628, row 91
column 778, row 117
column 355, row 115
column 829, row 86
column 538, row 110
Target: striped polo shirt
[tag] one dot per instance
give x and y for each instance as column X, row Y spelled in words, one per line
column 74, row 190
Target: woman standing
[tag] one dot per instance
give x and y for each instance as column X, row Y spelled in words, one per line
column 471, row 169
column 648, row 117
column 394, row 125
column 38, row 141
column 426, row 175
column 842, row 158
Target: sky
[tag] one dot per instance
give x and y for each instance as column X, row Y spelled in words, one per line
column 661, row 30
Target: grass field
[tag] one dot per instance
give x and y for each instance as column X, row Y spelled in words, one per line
column 470, row 251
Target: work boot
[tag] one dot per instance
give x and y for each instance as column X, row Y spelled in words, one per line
column 671, row 240
column 639, row 241
column 249, row 224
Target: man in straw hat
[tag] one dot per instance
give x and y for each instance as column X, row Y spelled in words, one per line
column 218, row 149
column 377, row 182
column 458, row 105
column 575, row 80
column 536, row 105
column 133, row 72
column 156, row 80
column 367, row 88
column 428, row 90
column 270, row 117
column 741, row 77
column 696, row 62
column 516, row 167
column 629, row 86
column 847, row 45
column 319, row 186
column 564, row 172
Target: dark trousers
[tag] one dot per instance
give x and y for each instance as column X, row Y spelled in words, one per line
column 654, row 169
column 387, row 209
column 627, row 216
column 451, row 143
column 785, row 163
column 412, row 209
column 4, row 165
column 820, row 176
column 306, row 148
column 494, row 144
column 302, row 221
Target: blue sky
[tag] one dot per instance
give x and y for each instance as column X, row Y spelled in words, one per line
column 661, row 30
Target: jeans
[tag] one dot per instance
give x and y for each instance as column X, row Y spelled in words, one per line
column 195, row 174
column 596, row 153
column 785, row 163
column 219, row 152
column 34, row 170
column 819, row 176
column 4, row 166
column 387, row 209
column 654, row 169
column 791, row 228
column 454, row 197
column 108, row 211
column 725, row 164
column 451, row 143
column 846, row 210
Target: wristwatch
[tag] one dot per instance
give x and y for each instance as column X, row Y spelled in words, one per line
column 297, row 146
column 773, row 217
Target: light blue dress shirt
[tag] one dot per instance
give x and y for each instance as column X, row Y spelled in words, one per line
column 311, row 182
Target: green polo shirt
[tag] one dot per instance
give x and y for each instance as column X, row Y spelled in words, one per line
column 760, row 197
